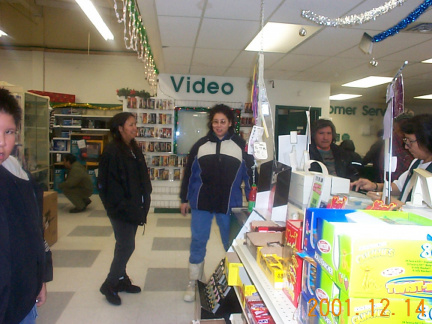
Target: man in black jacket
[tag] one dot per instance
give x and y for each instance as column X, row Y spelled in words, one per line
column 324, row 149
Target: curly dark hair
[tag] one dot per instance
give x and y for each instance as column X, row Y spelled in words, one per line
column 322, row 123
column 421, row 127
column 224, row 109
column 9, row 105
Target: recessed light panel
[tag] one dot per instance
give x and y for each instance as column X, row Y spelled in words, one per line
column 368, row 82
column 343, row 96
column 429, row 97
column 280, row 38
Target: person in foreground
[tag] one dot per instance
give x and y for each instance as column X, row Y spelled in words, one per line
column 216, row 167
column 324, row 149
column 418, row 140
column 78, row 186
column 124, row 188
column 25, row 258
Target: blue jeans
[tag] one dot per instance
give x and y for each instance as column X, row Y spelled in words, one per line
column 200, row 227
column 31, row 317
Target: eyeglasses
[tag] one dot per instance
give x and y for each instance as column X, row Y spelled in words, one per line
column 408, row 142
column 220, row 122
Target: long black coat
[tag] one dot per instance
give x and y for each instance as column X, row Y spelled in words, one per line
column 124, row 183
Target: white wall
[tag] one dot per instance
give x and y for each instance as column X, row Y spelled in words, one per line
column 92, row 78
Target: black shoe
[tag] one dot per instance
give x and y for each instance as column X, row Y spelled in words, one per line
column 77, row 210
column 87, row 201
column 125, row 284
column 110, row 293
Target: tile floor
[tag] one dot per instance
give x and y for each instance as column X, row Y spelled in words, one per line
column 83, row 254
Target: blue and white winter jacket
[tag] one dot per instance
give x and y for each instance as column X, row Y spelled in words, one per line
column 214, row 173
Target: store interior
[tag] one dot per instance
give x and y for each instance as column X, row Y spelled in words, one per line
column 68, row 78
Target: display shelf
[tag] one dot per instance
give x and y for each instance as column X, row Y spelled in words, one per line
column 280, row 307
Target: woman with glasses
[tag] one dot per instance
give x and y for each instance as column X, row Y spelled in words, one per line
column 216, row 167
column 418, row 140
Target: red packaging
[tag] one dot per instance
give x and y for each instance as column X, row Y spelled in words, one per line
column 294, row 234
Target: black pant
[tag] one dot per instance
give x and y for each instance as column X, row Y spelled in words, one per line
column 125, row 245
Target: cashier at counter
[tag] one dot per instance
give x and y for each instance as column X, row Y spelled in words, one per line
column 323, row 149
column 418, row 140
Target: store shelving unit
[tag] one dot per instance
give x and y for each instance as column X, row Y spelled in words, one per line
column 32, row 149
column 280, row 307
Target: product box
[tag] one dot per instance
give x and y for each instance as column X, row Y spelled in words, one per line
column 269, row 260
column 334, row 306
column 294, row 234
column 368, row 260
column 293, row 265
column 49, row 215
column 266, row 226
column 232, row 265
column 247, row 288
column 59, row 177
column 307, row 314
column 256, row 240
column 310, row 234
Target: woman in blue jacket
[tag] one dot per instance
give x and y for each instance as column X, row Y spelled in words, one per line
column 216, row 168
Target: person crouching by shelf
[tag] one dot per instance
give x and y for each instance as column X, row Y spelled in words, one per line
column 78, row 186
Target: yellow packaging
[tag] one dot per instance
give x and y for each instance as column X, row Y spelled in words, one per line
column 246, row 288
column 232, row 265
column 269, row 260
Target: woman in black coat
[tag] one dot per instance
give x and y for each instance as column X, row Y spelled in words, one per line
column 124, row 188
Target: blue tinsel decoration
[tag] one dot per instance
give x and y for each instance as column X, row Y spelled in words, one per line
column 404, row 22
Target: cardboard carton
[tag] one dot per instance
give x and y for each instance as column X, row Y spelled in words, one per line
column 49, row 215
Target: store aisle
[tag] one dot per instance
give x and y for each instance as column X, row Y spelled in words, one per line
column 82, row 256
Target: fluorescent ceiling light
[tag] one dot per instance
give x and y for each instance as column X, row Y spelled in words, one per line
column 427, row 61
column 92, row 14
column 2, row 33
column 343, row 96
column 429, row 96
column 280, row 38
column 368, row 82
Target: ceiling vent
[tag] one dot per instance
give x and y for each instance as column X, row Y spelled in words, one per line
column 421, row 28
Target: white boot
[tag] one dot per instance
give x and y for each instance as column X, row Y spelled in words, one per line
column 195, row 273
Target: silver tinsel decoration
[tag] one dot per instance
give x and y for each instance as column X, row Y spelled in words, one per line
column 352, row 19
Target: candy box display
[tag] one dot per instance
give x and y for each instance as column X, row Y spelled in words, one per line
column 232, row 265
column 270, row 261
column 294, row 234
column 293, row 266
column 322, row 296
column 383, row 260
column 310, row 234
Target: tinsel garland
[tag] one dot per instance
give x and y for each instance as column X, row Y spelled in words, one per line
column 87, row 106
column 404, row 22
column 135, row 38
column 352, row 19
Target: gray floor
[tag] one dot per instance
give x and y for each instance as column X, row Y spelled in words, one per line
column 83, row 254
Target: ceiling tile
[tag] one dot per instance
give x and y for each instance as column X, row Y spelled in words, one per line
column 178, row 31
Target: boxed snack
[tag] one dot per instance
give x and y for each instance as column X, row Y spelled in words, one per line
column 247, row 288
column 256, row 240
column 333, row 305
column 270, row 261
column 232, row 265
column 293, row 265
column 266, row 226
column 294, row 234
column 384, row 261
column 310, row 234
